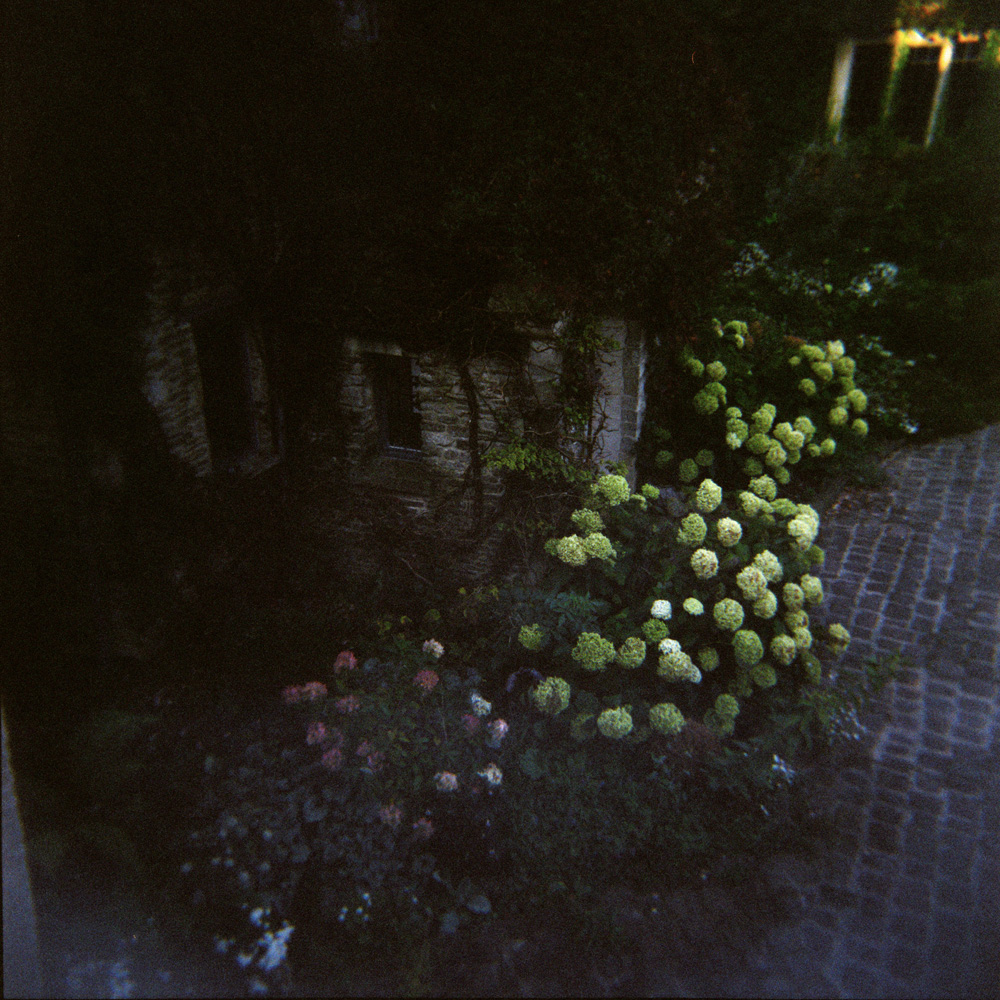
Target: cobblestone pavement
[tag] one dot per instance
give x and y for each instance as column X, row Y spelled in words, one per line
column 909, row 905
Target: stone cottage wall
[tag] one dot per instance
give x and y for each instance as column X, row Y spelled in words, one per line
column 173, row 387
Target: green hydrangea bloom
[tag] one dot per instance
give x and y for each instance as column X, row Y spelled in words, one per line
column 838, row 416
column 834, row 349
column 747, row 647
column 650, row 492
column 663, row 458
column 708, row 659
column 571, row 551
column 781, row 431
column 812, row 587
column 666, row 719
column 676, row 665
column 860, row 427
column 813, row 450
column 807, row 387
column 753, row 505
column 716, row 389
column 738, row 427
column 796, row 619
column 815, row 555
column 766, row 606
column 728, row 614
column 733, row 413
column 688, row 470
column 753, row 467
column 782, row 476
column 794, row 456
column 769, row 564
column 784, row 507
column 751, row 582
column 592, row 651
column 765, row 487
column 763, row 675
column 812, row 353
column 783, row 649
column 729, row 531
column 599, row 546
column 704, row 458
column 759, row 444
column 631, row 653
column 694, row 366
column 615, row 723
column 858, row 400
column 839, row 637
column 640, row 500
column 763, row 420
column 844, row 367
column 776, row 456
column 587, row 520
column 805, row 427
column 692, row 530
column 655, row 631
column 726, row 706
column 823, row 370
column 794, row 596
column 708, row 496
column 693, row 606
column 705, row 564
column 612, row 489
column 531, row 636
column 803, row 638
column 827, row 447
column 552, row 695
column 705, row 403
column 716, row 371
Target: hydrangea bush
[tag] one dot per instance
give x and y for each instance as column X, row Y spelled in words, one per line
column 703, row 604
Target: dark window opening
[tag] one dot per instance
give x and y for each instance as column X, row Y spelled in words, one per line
column 869, row 78
column 396, row 408
column 913, row 103
column 224, row 361
column 966, row 86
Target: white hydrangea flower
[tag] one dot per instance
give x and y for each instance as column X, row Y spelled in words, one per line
column 661, row 610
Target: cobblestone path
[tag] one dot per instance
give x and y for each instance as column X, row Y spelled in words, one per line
column 909, row 906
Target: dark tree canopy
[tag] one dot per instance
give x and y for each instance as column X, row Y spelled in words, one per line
column 597, row 153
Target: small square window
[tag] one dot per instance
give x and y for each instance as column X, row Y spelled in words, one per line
column 396, row 408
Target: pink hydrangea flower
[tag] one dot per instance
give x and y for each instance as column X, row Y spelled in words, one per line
column 471, row 723
column 291, row 694
column 313, row 690
column 426, row 679
column 391, row 815
column 423, row 829
column 316, row 733
column 349, row 703
column 498, row 730
column 333, row 759
column 345, row 661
